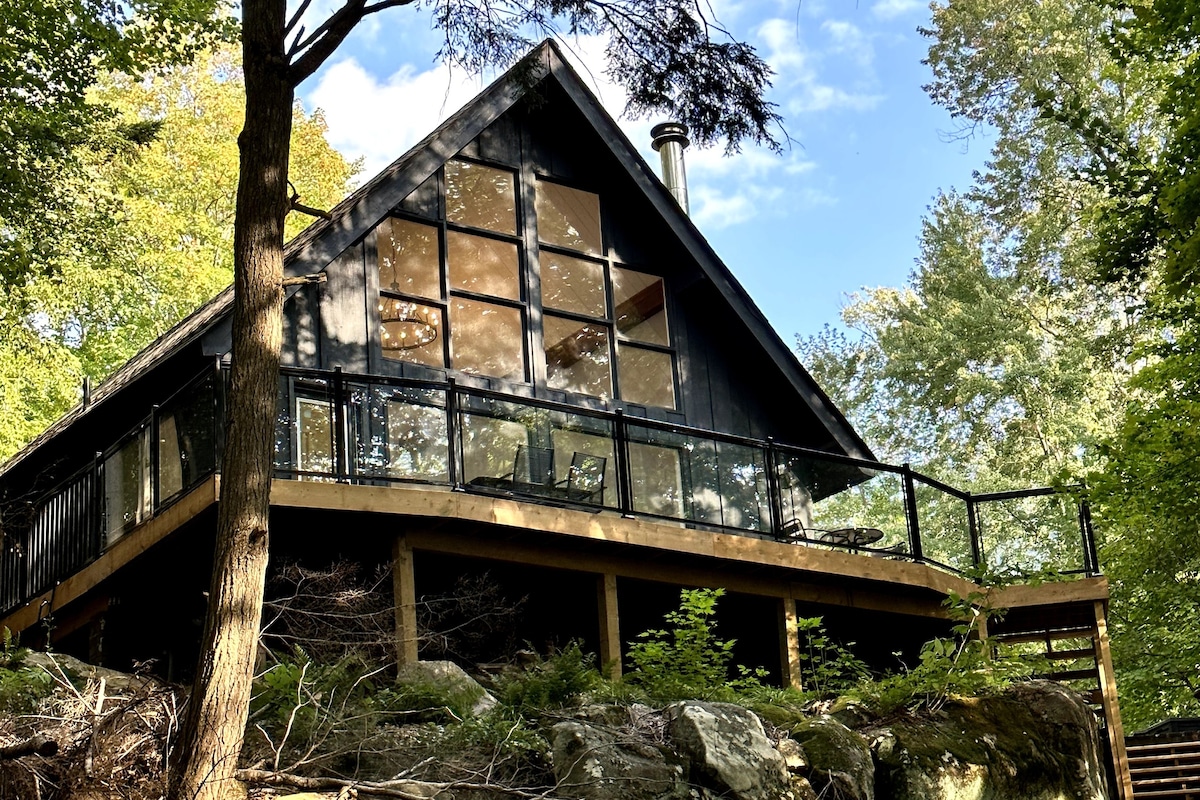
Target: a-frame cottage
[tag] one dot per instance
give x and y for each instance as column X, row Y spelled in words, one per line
column 519, row 355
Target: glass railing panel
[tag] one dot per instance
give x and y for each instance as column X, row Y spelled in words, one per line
column 125, row 474
column 399, row 433
column 832, row 502
column 699, row 479
column 528, row 449
column 187, row 439
column 1031, row 534
column 305, row 445
column 945, row 526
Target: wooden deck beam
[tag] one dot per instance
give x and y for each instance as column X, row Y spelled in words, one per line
column 789, row 645
column 1110, row 704
column 610, row 624
column 404, row 599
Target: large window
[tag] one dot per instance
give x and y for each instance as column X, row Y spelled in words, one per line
column 603, row 323
column 455, row 293
column 451, row 294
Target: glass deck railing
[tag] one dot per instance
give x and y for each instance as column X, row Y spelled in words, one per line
column 374, row 430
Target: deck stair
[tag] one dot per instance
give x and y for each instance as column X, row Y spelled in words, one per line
column 1070, row 655
column 1165, row 766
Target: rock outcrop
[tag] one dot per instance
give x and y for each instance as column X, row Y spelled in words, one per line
column 727, row 750
column 1036, row 741
column 840, row 763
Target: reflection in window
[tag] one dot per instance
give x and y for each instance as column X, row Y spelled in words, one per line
column 314, row 437
column 186, row 442
column 417, row 442
column 482, row 265
column 482, row 197
column 577, row 356
column 640, row 306
column 657, row 482
column 408, row 258
column 572, row 284
column 487, row 339
column 411, row 332
column 127, row 486
column 568, row 217
column 568, row 443
column 490, row 446
column 647, row 376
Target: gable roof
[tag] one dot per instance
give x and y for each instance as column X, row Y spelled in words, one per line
column 364, row 208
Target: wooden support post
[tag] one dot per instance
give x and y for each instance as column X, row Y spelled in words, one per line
column 789, row 645
column 404, row 594
column 1112, row 710
column 610, row 624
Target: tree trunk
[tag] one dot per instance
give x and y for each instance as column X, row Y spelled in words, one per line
column 211, row 737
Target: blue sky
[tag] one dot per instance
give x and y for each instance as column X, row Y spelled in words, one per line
column 840, row 210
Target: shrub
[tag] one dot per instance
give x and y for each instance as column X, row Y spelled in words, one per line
column 21, row 687
column 687, row 660
column 555, row 682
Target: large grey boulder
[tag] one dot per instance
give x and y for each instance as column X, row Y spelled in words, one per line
column 727, row 750
column 1036, row 741
column 599, row 762
column 840, row 763
column 463, row 690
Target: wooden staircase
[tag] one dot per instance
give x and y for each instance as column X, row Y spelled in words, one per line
column 1165, row 766
column 1076, row 649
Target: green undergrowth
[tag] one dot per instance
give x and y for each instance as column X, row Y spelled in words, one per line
column 354, row 718
column 22, row 688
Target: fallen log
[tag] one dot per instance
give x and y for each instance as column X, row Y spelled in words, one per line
column 41, row 745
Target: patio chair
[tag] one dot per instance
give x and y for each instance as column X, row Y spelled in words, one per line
column 533, row 466
column 585, row 478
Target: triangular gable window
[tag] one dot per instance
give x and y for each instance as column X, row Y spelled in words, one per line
column 458, row 293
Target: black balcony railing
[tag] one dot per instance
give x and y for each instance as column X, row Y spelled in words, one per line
column 377, row 430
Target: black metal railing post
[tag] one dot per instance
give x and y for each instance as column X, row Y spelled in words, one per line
column 774, row 496
column 1091, row 560
column 973, row 527
column 218, row 409
column 339, row 426
column 96, row 517
column 453, row 435
column 910, row 512
column 624, row 478
column 155, row 489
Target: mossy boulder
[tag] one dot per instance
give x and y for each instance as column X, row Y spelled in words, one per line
column 598, row 762
column 1035, row 741
column 727, row 750
column 840, row 763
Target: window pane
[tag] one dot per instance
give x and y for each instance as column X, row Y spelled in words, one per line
column 487, row 339
column 640, row 306
column 646, row 376
column 572, row 284
column 481, row 197
column 482, row 265
column 577, row 357
column 411, row 332
column 568, row 217
column 408, row 258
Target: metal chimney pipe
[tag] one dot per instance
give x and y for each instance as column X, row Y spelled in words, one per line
column 670, row 138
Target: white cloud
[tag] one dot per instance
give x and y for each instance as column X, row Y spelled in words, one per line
column 849, row 40
column 381, row 120
column 890, row 9
column 798, row 78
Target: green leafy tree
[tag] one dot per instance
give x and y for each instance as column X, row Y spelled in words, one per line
column 164, row 246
